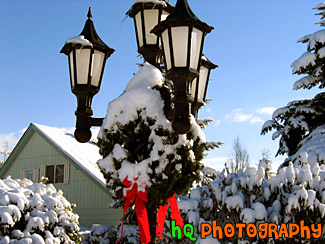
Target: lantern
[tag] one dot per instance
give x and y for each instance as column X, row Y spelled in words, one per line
column 87, row 55
column 182, row 35
column 146, row 16
column 200, row 85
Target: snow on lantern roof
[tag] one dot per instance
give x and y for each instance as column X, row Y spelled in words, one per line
column 150, row 1
column 79, row 40
column 84, row 155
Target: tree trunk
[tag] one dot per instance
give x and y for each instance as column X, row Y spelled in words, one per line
column 152, row 218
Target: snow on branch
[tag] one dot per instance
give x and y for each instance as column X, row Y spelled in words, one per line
column 304, row 82
column 304, row 39
column 317, row 37
column 305, row 60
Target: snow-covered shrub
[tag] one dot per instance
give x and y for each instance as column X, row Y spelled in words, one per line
column 130, row 235
column 296, row 193
column 35, row 213
column 101, row 234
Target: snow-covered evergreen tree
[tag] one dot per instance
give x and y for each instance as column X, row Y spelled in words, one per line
column 299, row 118
column 136, row 140
column 35, row 213
column 138, row 143
column 295, row 121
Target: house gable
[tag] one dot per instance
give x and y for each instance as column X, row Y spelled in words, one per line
column 25, row 150
column 35, row 149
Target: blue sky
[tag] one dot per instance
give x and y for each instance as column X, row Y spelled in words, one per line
column 254, row 42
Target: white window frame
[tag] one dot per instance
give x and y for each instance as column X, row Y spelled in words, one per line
column 35, row 174
column 66, row 172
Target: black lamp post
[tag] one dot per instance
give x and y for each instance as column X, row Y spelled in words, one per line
column 200, row 85
column 146, row 16
column 87, row 57
column 182, row 35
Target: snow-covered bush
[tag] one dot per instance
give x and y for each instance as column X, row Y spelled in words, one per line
column 35, row 213
column 296, row 193
column 100, row 234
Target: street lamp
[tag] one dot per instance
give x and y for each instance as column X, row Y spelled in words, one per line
column 182, row 35
column 200, row 85
column 87, row 57
column 146, row 16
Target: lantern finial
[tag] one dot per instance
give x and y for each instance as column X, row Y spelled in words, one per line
column 89, row 15
column 183, row 10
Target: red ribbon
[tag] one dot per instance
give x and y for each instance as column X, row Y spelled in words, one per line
column 132, row 194
column 162, row 212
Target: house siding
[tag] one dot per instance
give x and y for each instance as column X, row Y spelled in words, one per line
column 92, row 200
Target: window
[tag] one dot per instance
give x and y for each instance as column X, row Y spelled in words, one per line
column 31, row 174
column 57, row 174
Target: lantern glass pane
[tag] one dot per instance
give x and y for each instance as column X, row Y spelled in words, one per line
column 180, row 44
column 97, row 67
column 165, row 41
column 71, row 68
column 82, row 60
column 203, row 82
column 164, row 15
column 138, row 22
column 193, row 87
column 196, row 40
column 151, row 18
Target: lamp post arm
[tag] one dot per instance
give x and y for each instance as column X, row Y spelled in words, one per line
column 96, row 121
column 83, row 125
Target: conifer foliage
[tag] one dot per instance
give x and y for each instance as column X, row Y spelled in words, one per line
column 299, row 118
column 138, row 142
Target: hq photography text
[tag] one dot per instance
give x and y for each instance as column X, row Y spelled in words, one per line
column 262, row 230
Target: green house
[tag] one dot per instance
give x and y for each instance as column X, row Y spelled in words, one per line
column 69, row 165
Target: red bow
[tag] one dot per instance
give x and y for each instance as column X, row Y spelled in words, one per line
column 132, row 194
column 162, row 212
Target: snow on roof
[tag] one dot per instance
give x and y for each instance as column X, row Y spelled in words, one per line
column 79, row 40
column 85, row 155
column 150, row 1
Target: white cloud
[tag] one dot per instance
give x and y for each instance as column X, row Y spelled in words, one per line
column 254, row 120
column 216, row 163
column 238, row 115
column 266, row 110
column 217, row 123
column 11, row 139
